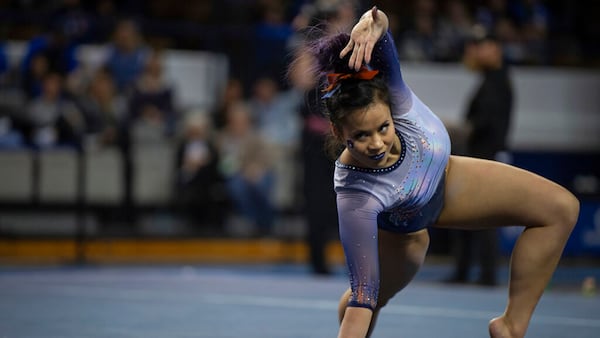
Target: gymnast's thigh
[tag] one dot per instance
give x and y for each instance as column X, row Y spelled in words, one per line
column 400, row 257
column 483, row 193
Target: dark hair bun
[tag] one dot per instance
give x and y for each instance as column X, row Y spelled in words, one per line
column 327, row 53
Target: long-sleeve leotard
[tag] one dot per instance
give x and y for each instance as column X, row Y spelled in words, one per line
column 401, row 190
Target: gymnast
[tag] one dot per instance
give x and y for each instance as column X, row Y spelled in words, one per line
column 394, row 177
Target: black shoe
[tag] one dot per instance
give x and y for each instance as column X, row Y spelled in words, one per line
column 487, row 282
column 455, row 280
column 321, row 271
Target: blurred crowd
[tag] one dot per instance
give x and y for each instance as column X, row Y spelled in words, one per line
column 244, row 151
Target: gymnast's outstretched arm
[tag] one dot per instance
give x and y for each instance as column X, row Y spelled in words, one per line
column 372, row 43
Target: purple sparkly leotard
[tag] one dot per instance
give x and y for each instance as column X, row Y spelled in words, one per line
column 405, row 197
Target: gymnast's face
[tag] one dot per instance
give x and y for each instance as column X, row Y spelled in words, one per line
column 369, row 136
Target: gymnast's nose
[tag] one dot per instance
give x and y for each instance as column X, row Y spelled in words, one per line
column 376, row 144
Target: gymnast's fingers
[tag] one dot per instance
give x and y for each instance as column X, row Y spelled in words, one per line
column 368, row 51
column 359, row 53
column 353, row 57
column 347, row 49
column 374, row 13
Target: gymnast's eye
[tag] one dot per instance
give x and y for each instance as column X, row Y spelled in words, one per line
column 359, row 135
column 384, row 127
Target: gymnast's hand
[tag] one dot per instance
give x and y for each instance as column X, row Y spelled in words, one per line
column 367, row 31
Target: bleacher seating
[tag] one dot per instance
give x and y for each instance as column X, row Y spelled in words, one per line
column 104, row 178
column 16, row 176
column 153, row 170
column 58, row 176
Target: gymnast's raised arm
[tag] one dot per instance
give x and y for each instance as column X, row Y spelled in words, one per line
column 372, row 44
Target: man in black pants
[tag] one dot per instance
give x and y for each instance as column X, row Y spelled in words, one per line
column 486, row 130
column 319, row 196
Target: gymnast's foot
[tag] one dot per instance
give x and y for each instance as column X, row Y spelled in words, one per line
column 500, row 328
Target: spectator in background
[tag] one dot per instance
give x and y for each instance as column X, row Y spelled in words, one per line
column 69, row 26
column 452, row 31
column 418, row 42
column 105, row 111
column 277, row 121
column 490, row 13
column 150, row 121
column 233, row 93
column 521, row 26
column 486, row 129
column 152, row 96
column 490, row 110
column 57, row 47
column 272, row 33
column 533, row 20
column 10, row 137
column 127, row 56
column 34, row 72
column 246, row 163
column 200, row 188
column 11, row 101
column 54, row 119
column 53, row 51
column 515, row 52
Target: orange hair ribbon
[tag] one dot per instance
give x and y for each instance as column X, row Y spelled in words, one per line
column 334, row 78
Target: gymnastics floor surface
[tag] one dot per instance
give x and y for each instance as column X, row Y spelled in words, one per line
column 277, row 300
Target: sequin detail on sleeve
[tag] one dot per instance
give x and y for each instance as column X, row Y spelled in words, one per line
column 358, row 233
column 385, row 59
